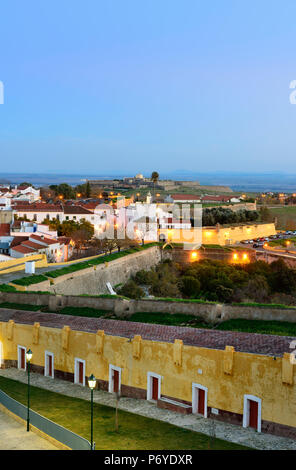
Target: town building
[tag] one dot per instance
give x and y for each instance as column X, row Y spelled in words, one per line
column 240, row 378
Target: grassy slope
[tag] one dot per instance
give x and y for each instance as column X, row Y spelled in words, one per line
column 135, row 432
column 284, row 214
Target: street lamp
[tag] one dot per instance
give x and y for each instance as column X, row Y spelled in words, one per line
column 29, row 355
column 92, row 381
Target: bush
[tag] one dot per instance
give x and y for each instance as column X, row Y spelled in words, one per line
column 190, row 286
column 132, row 290
column 164, row 288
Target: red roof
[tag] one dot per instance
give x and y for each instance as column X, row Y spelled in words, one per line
column 76, row 210
column 216, row 198
column 4, row 229
column 23, row 249
column 185, row 197
column 31, row 244
column 38, row 207
column 45, row 240
column 64, row 240
column 18, row 240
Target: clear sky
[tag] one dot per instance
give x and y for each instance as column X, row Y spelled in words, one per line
column 134, row 86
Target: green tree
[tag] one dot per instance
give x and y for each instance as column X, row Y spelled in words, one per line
column 154, row 178
column 190, row 286
column 131, row 290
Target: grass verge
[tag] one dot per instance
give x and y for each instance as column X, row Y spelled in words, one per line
column 279, row 328
column 135, row 432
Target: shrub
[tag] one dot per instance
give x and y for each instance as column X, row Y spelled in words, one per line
column 132, row 290
column 190, row 286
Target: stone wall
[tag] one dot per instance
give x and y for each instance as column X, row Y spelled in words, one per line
column 211, row 313
column 93, row 280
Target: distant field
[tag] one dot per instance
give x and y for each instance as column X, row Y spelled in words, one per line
column 285, row 216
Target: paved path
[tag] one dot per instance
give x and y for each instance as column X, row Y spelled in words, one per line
column 14, row 436
column 248, row 437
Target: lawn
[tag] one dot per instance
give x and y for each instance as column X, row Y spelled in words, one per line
column 135, row 432
column 284, row 214
column 83, row 312
column 280, row 328
column 173, row 319
column 31, row 308
column 75, row 311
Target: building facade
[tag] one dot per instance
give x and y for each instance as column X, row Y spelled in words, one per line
column 244, row 379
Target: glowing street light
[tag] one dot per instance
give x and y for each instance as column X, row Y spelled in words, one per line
column 29, row 356
column 245, row 258
column 194, row 255
column 92, row 381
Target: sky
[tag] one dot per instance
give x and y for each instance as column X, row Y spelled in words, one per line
column 124, row 86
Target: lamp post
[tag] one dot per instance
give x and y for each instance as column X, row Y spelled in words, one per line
column 29, row 355
column 92, row 383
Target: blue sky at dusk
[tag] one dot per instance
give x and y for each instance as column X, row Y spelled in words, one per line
column 130, row 86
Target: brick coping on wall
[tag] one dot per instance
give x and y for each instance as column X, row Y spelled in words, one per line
column 270, row 345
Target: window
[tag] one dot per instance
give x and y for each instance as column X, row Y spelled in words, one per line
column 79, row 371
column 67, row 217
column 49, row 364
column 21, row 357
column 153, row 386
column 114, row 379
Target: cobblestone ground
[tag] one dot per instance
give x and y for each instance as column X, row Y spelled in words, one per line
column 14, row 436
column 248, row 437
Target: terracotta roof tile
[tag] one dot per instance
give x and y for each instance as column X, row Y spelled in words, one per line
column 23, row 249
column 17, row 241
column 4, row 229
column 270, row 345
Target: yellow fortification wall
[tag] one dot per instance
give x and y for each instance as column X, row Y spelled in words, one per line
column 218, row 235
column 228, row 375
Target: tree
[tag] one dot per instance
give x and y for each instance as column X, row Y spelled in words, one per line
column 87, row 226
column 63, row 190
column 265, row 214
column 80, row 237
column 190, row 286
column 131, row 290
column 154, row 177
column 88, row 189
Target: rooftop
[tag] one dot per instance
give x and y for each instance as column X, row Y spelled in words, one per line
column 185, row 197
column 270, row 345
column 23, row 249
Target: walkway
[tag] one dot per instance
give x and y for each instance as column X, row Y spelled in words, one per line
column 248, row 437
column 14, row 436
